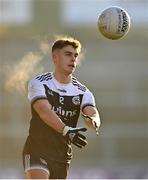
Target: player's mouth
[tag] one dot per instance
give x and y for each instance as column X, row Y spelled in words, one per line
column 72, row 66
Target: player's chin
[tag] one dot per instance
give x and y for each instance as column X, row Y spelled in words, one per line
column 70, row 70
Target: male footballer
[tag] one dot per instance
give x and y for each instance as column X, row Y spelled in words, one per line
column 57, row 99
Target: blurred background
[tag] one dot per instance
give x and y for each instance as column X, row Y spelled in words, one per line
column 115, row 71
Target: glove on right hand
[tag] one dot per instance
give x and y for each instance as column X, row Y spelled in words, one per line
column 74, row 136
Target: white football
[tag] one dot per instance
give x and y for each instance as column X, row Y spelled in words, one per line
column 114, row 23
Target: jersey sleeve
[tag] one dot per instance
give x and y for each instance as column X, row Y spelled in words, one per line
column 88, row 100
column 36, row 91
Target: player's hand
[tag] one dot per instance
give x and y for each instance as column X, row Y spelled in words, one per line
column 96, row 126
column 94, row 121
column 74, row 136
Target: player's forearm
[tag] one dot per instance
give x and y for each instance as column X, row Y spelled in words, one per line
column 52, row 120
column 43, row 108
column 92, row 116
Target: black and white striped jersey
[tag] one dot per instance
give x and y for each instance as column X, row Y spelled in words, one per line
column 67, row 100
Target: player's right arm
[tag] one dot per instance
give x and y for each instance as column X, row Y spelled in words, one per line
column 43, row 108
column 38, row 99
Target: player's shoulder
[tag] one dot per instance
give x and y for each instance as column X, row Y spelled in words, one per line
column 79, row 85
column 44, row 77
column 40, row 79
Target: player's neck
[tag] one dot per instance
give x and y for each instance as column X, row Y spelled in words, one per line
column 62, row 78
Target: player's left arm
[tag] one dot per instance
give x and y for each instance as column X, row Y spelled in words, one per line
column 91, row 117
column 89, row 111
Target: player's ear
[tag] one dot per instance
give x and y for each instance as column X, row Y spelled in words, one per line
column 54, row 56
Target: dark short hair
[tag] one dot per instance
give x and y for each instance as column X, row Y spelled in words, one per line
column 62, row 42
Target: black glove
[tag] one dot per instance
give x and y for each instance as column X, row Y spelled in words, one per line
column 74, row 136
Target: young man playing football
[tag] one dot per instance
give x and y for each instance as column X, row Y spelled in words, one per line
column 57, row 99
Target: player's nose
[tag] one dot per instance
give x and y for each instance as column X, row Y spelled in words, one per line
column 73, row 58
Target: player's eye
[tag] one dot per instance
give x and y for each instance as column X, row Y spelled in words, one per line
column 71, row 54
column 76, row 55
column 68, row 54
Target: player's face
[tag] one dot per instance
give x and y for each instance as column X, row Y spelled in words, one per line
column 66, row 59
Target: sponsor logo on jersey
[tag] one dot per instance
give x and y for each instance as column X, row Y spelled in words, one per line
column 67, row 113
column 76, row 100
